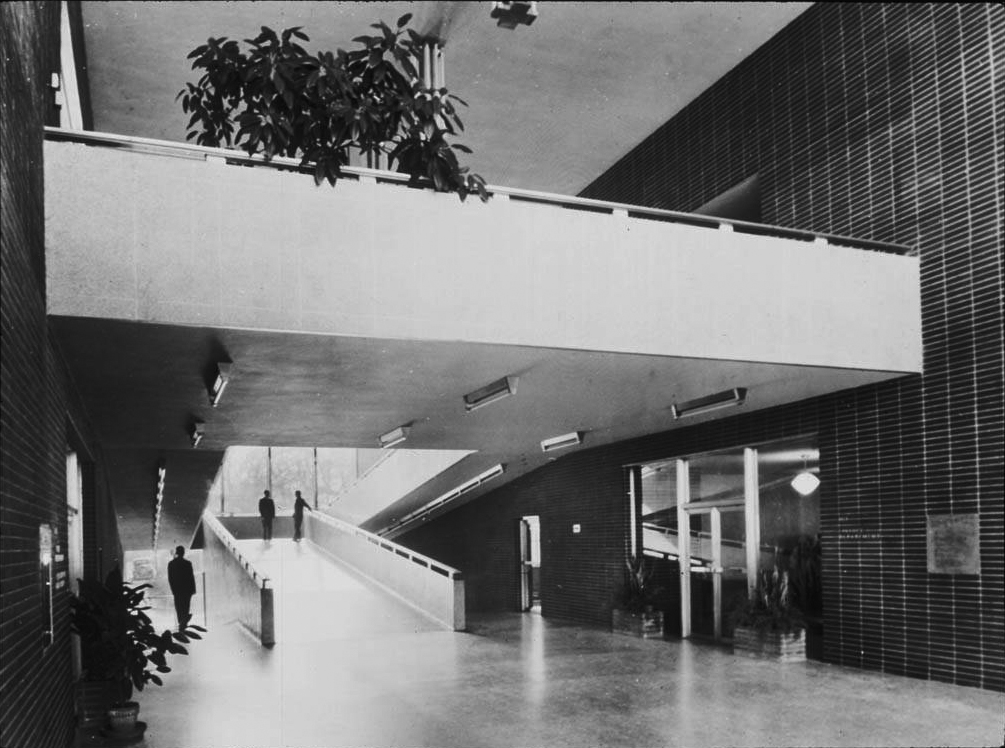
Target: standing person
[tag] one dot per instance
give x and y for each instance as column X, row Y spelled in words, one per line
column 267, row 508
column 181, row 579
column 298, row 516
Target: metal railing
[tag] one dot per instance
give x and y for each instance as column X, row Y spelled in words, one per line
column 426, row 584
column 212, row 523
column 241, row 591
column 359, row 173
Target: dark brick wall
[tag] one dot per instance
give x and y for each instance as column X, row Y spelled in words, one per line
column 38, row 414
column 871, row 120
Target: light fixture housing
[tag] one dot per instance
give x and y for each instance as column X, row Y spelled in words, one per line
column 805, row 483
column 219, row 383
column 490, row 393
column 725, row 399
column 424, row 511
column 509, row 15
column 563, row 441
column 196, row 433
column 393, row 437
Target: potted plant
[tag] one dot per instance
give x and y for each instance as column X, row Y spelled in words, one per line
column 637, row 614
column 769, row 624
column 277, row 99
column 120, row 649
column 805, row 574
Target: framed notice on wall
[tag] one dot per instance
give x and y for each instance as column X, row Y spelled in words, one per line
column 46, row 579
column 954, row 544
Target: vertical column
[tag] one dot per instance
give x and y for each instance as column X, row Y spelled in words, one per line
column 716, row 573
column 752, row 516
column 684, row 546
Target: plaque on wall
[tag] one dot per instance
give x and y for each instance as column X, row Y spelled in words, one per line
column 954, row 544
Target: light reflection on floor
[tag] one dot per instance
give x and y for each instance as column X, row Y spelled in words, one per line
column 356, row 667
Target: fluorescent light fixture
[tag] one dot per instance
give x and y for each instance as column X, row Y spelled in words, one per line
column 805, row 483
column 561, row 442
column 735, row 396
column 452, row 494
column 397, row 436
column 219, row 384
column 197, row 432
column 490, row 393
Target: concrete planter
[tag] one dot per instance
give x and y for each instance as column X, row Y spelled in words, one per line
column 769, row 645
column 646, row 625
column 93, row 699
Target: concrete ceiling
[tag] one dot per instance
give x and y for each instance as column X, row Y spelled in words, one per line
column 145, row 384
column 552, row 105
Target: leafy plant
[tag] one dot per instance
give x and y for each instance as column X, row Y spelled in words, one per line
column 639, row 592
column 805, row 575
column 277, row 99
column 118, row 640
column 770, row 606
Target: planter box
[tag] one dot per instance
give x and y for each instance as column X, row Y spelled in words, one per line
column 769, row 645
column 643, row 625
column 93, row 699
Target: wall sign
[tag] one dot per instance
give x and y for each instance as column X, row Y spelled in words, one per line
column 46, row 579
column 954, row 544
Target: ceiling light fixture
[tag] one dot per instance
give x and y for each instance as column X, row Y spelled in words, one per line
column 805, row 481
column 219, row 384
column 563, row 441
column 396, row 436
column 490, row 393
column 197, row 432
column 424, row 511
column 510, row 15
column 735, row 396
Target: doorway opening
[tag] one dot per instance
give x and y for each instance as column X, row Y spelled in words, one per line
column 719, row 518
column 529, row 531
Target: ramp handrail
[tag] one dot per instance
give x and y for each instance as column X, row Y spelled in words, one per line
column 234, row 156
column 390, row 546
column 431, row 587
column 211, row 522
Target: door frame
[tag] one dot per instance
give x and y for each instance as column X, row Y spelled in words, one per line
column 686, row 507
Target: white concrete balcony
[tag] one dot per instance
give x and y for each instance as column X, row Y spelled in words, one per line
column 169, row 233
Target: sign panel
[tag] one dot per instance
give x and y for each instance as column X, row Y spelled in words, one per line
column 954, row 544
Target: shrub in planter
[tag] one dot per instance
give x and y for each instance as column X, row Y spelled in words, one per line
column 769, row 624
column 637, row 614
column 119, row 645
column 277, row 99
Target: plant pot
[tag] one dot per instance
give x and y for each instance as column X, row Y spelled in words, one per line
column 769, row 645
column 93, row 700
column 122, row 717
column 645, row 625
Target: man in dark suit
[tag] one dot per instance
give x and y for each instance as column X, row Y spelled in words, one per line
column 182, row 582
column 267, row 510
column 298, row 516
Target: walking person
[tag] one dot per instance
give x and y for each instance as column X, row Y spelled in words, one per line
column 298, row 516
column 267, row 510
column 181, row 579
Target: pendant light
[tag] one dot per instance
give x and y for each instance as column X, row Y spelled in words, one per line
column 805, row 482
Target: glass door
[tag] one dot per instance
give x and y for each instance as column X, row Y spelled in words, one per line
column 718, row 573
column 713, row 504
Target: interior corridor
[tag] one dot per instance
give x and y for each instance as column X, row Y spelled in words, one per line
column 354, row 666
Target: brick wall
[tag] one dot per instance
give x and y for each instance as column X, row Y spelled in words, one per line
column 38, row 415
column 871, row 120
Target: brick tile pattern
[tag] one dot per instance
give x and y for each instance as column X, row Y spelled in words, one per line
column 878, row 121
column 39, row 414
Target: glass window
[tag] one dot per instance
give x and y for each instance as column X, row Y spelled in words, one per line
column 659, row 509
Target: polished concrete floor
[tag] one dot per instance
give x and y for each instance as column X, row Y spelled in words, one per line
column 356, row 667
